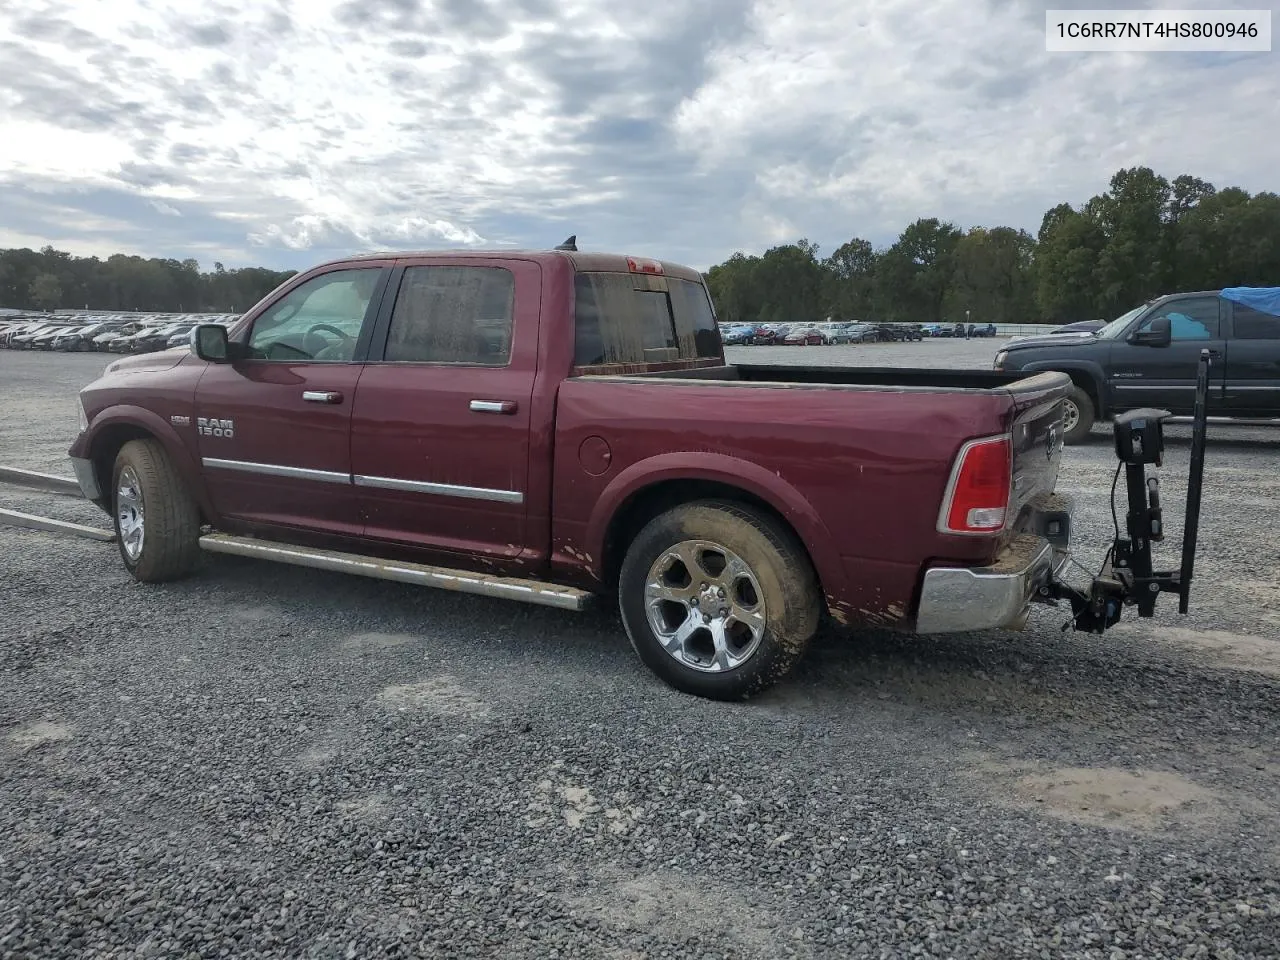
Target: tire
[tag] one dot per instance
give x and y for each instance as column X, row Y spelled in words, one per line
column 763, row 572
column 1078, row 416
column 156, row 520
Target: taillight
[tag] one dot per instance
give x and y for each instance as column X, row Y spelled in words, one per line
column 641, row 265
column 977, row 499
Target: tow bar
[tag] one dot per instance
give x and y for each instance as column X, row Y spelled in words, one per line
column 1127, row 577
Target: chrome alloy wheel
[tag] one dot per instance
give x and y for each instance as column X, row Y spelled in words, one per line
column 705, row 606
column 130, row 513
column 1070, row 415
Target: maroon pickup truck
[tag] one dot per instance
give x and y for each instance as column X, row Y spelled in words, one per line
column 548, row 426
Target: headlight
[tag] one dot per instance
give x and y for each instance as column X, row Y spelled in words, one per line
column 1001, row 357
column 84, row 417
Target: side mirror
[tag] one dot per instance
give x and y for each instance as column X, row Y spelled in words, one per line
column 209, row 342
column 1157, row 333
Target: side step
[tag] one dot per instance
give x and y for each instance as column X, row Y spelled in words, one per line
column 460, row 581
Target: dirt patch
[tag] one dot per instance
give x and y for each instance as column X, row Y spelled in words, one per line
column 369, row 807
column 1110, row 797
column 367, row 642
column 1235, row 651
column 252, row 614
column 443, row 696
column 679, row 905
column 38, row 733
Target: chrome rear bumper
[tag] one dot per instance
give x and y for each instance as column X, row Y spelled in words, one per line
column 957, row 599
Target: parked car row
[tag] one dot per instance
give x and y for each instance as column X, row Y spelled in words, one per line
column 960, row 330
column 104, row 334
column 813, row 334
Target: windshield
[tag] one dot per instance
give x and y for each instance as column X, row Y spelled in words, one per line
column 1116, row 326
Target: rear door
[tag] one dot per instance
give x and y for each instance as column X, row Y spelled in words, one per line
column 440, row 434
column 1165, row 377
column 1253, row 363
column 274, row 429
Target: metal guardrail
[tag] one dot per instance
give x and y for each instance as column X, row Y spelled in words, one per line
column 40, row 481
column 49, row 483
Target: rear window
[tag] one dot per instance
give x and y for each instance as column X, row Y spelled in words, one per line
column 618, row 323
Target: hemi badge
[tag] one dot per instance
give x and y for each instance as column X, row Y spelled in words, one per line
column 180, row 421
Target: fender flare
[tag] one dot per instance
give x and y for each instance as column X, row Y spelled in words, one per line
column 749, row 477
column 163, row 431
column 1090, row 368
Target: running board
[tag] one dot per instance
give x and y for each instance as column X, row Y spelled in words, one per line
column 444, row 578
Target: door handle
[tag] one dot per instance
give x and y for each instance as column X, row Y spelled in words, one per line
column 321, row 396
column 493, row 406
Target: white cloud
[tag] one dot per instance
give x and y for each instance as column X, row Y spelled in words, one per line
column 686, row 128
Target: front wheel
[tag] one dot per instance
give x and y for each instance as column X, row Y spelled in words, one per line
column 157, row 522
column 1078, row 416
column 718, row 599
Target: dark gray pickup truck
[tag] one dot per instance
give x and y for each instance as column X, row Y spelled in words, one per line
column 1148, row 358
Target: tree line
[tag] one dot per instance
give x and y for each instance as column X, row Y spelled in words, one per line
column 1144, row 237
column 50, row 279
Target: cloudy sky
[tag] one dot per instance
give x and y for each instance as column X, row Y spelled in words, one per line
column 282, row 132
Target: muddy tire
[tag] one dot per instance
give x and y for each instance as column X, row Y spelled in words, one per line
column 157, row 522
column 1078, row 416
column 719, row 600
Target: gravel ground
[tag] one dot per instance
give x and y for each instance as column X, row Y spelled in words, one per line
column 267, row 761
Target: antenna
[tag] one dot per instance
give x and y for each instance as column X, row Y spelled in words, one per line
column 570, row 244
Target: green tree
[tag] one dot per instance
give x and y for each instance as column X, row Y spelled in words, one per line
column 46, row 292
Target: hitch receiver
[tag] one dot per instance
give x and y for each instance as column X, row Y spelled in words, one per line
column 1127, row 577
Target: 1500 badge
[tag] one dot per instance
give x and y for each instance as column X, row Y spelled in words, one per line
column 211, row 427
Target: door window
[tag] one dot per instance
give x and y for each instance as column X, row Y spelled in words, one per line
column 1250, row 324
column 319, row 320
column 453, row 314
column 1192, row 319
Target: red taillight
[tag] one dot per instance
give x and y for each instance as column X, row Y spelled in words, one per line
column 977, row 498
column 641, row 265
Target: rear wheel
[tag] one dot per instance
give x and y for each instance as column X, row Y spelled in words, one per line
column 1078, row 416
column 157, row 522
column 717, row 599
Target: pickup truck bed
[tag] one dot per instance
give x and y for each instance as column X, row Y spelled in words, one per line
column 548, row 425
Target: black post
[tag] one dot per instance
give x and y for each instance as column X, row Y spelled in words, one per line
column 1195, row 482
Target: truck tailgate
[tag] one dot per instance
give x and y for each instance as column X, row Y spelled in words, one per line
column 1036, row 432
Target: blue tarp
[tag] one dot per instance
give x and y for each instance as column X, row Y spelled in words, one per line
column 1263, row 299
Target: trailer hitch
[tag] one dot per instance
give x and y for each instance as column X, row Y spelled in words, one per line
column 1127, row 577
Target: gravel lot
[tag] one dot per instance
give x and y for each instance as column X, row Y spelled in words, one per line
column 268, row 761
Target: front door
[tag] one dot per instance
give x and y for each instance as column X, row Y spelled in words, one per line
column 440, row 439
column 1165, row 377
column 275, row 427
column 1253, row 363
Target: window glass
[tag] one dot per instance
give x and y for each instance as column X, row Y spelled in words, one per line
column 1194, row 319
column 1251, row 324
column 455, row 314
column 616, row 323
column 319, row 320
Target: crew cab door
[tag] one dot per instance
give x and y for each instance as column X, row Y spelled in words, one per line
column 440, row 439
column 274, row 428
column 1253, row 363
column 1165, row 376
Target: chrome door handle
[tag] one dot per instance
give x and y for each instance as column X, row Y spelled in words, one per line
column 493, row 406
column 321, row 396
